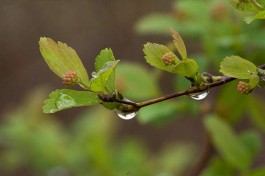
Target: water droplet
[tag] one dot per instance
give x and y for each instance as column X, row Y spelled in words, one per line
column 65, row 101
column 125, row 115
column 199, row 95
column 94, row 74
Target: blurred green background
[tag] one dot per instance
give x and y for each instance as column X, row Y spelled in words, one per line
column 164, row 139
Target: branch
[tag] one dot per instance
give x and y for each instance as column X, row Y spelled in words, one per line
column 223, row 80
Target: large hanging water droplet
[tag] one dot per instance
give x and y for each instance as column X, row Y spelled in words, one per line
column 125, row 115
column 199, row 95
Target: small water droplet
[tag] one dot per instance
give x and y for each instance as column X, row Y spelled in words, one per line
column 94, row 74
column 199, row 95
column 125, row 115
column 65, row 101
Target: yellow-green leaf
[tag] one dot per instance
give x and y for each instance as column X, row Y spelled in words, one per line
column 101, row 78
column 154, row 53
column 227, row 142
column 61, row 58
column 66, row 98
column 238, row 67
column 178, row 42
column 187, row 67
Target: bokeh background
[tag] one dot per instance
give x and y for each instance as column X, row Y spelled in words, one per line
column 94, row 141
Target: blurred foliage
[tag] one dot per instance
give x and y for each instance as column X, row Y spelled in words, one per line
column 217, row 30
column 36, row 143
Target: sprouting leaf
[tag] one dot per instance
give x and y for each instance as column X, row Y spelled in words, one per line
column 227, row 143
column 238, row 67
column 62, row 58
column 105, row 56
column 187, row 67
column 259, row 15
column 179, row 44
column 154, row 53
column 66, row 98
column 101, row 78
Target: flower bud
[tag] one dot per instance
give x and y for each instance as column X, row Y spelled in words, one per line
column 244, row 88
column 169, row 58
column 70, row 78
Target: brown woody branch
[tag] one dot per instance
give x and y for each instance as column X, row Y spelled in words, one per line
column 223, row 80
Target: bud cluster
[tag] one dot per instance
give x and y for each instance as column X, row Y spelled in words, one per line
column 70, row 78
column 244, row 88
column 169, row 59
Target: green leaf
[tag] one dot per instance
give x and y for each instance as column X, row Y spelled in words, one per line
column 136, row 82
column 179, row 44
column 218, row 167
column 238, row 67
column 105, row 56
column 254, row 81
column 101, row 78
column 231, row 110
column 258, row 16
column 154, row 53
column 227, row 143
column 66, row 98
column 62, row 58
column 187, row 67
column 176, row 158
column 252, row 141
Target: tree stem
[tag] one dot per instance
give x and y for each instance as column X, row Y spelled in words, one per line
column 223, row 80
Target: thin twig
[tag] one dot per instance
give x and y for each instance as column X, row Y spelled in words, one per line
column 223, row 80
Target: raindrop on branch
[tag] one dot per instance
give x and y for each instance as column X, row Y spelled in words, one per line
column 126, row 112
column 125, row 115
column 199, row 95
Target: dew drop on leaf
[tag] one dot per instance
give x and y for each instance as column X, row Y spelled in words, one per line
column 199, row 95
column 94, row 74
column 65, row 101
